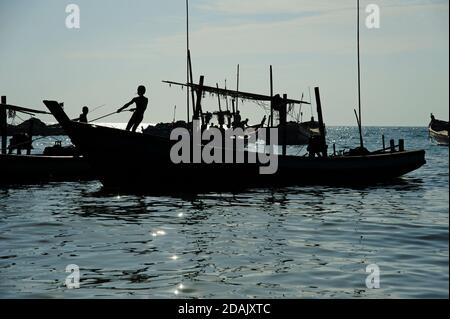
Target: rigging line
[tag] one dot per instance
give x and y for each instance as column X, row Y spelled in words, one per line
column 97, row 108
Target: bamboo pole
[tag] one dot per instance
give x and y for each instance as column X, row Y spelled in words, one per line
column 359, row 82
column 3, row 124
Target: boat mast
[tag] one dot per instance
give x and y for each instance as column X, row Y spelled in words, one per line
column 187, row 60
column 359, row 81
column 237, row 88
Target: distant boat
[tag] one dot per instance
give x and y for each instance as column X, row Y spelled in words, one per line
column 39, row 128
column 438, row 131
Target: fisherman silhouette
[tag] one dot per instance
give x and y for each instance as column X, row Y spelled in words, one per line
column 237, row 119
column 141, row 105
column 263, row 121
column 83, row 116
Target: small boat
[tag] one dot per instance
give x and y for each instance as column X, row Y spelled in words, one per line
column 38, row 127
column 57, row 163
column 438, row 131
column 19, row 169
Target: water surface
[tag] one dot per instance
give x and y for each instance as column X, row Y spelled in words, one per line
column 294, row 242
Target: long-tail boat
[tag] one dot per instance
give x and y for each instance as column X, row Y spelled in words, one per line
column 136, row 161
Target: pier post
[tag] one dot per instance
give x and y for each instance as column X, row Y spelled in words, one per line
column 3, row 123
column 392, row 145
column 384, row 143
column 323, row 143
column 401, row 145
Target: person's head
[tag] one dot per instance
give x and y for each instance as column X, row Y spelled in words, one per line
column 141, row 90
column 85, row 110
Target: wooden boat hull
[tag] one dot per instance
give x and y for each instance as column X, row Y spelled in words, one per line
column 31, row 168
column 125, row 160
column 441, row 137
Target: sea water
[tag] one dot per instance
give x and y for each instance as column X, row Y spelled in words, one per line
column 292, row 242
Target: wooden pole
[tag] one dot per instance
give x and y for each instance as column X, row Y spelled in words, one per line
column 359, row 83
column 226, row 97
column 191, row 81
column 321, row 124
column 271, row 95
column 218, row 98
column 3, row 124
column 237, row 89
column 188, row 62
column 198, row 106
column 283, row 123
column 392, row 145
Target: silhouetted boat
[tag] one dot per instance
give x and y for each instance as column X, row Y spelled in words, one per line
column 39, row 128
column 135, row 161
column 438, row 130
column 40, row 168
column 58, row 163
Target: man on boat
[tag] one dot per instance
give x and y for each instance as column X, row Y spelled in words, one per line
column 138, row 114
column 83, row 115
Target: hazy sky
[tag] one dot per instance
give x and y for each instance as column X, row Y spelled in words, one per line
column 122, row 44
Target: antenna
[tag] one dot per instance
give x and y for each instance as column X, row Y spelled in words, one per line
column 359, row 82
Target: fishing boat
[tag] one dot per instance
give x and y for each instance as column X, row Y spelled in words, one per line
column 135, row 161
column 438, row 131
column 57, row 163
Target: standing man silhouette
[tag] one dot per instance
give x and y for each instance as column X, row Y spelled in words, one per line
column 138, row 115
column 83, row 116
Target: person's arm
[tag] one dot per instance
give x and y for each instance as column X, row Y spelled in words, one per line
column 125, row 106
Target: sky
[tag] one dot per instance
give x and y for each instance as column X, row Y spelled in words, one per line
column 122, row 44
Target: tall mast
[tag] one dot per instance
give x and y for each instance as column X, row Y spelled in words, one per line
column 359, row 81
column 237, row 88
column 187, row 60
